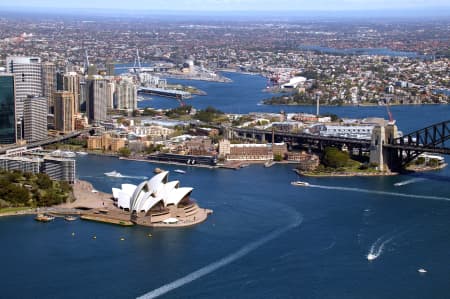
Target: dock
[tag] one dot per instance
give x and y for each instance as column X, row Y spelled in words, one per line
column 170, row 93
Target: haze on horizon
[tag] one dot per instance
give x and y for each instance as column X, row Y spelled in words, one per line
column 236, row 5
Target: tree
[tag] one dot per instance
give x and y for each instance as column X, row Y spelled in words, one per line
column 44, row 181
column 124, row 152
column 278, row 157
column 335, row 158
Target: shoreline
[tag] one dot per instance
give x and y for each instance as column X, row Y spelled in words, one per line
column 351, row 105
column 344, row 174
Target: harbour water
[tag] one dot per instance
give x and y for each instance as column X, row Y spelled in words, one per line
column 266, row 238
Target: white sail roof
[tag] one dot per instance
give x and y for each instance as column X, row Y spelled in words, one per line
column 149, row 193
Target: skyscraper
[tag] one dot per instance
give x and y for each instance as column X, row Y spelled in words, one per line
column 72, row 84
column 96, row 105
column 49, row 83
column 7, row 110
column 110, row 89
column 28, row 79
column 35, row 118
column 64, row 111
column 126, row 94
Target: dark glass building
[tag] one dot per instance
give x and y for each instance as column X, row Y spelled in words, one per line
column 7, row 110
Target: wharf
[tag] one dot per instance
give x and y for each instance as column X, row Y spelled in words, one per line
column 107, row 219
column 171, row 93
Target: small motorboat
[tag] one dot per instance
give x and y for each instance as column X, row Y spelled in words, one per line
column 114, row 174
column 70, row 218
column 300, row 183
column 371, row 257
column 179, row 171
column 44, row 218
column 422, row 270
column 269, row 163
column 82, row 153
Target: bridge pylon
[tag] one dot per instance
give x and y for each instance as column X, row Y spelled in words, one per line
column 384, row 157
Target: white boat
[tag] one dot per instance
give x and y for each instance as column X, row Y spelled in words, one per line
column 82, row 153
column 300, row 183
column 179, row 171
column 114, row 174
column 68, row 154
column 269, row 163
column 422, row 270
column 371, row 257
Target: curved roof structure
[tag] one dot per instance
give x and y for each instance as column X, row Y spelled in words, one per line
column 149, row 193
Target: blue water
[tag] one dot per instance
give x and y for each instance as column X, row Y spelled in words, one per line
column 246, row 92
column 266, row 238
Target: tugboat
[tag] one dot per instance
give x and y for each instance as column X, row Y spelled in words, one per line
column 44, row 218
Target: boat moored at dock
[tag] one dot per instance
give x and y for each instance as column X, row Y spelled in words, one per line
column 44, row 218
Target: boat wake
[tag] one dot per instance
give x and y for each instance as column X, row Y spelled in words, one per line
column 297, row 220
column 135, row 177
column 377, row 248
column 407, row 182
column 380, row 192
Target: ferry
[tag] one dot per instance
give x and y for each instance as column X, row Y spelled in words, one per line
column 114, row 174
column 70, row 218
column 44, row 218
column 300, row 184
column 179, row 171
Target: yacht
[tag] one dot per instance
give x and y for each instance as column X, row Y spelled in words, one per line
column 300, row 183
column 114, row 174
column 70, row 218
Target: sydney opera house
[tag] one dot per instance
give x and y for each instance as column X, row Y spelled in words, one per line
column 159, row 201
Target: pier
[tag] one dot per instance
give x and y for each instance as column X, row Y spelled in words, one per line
column 170, row 93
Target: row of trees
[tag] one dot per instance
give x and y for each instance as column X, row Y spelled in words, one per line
column 25, row 189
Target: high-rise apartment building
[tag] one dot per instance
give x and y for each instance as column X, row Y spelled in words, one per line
column 49, row 84
column 7, row 110
column 35, row 118
column 96, row 102
column 110, row 89
column 126, row 94
column 28, row 79
column 64, row 111
column 72, row 84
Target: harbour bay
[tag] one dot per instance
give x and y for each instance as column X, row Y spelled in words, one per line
column 266, row 238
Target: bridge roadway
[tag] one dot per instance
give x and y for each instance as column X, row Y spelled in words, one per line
column 415, row 148
column 365, row 143
column 44, row 142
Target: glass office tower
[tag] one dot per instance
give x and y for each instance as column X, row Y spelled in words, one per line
column 7, row 110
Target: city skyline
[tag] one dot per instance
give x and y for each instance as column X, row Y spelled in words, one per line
column 238, row 5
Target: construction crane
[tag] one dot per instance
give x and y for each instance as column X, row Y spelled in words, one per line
column 391, row 118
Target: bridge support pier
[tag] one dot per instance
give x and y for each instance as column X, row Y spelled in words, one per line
column 385, row 159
